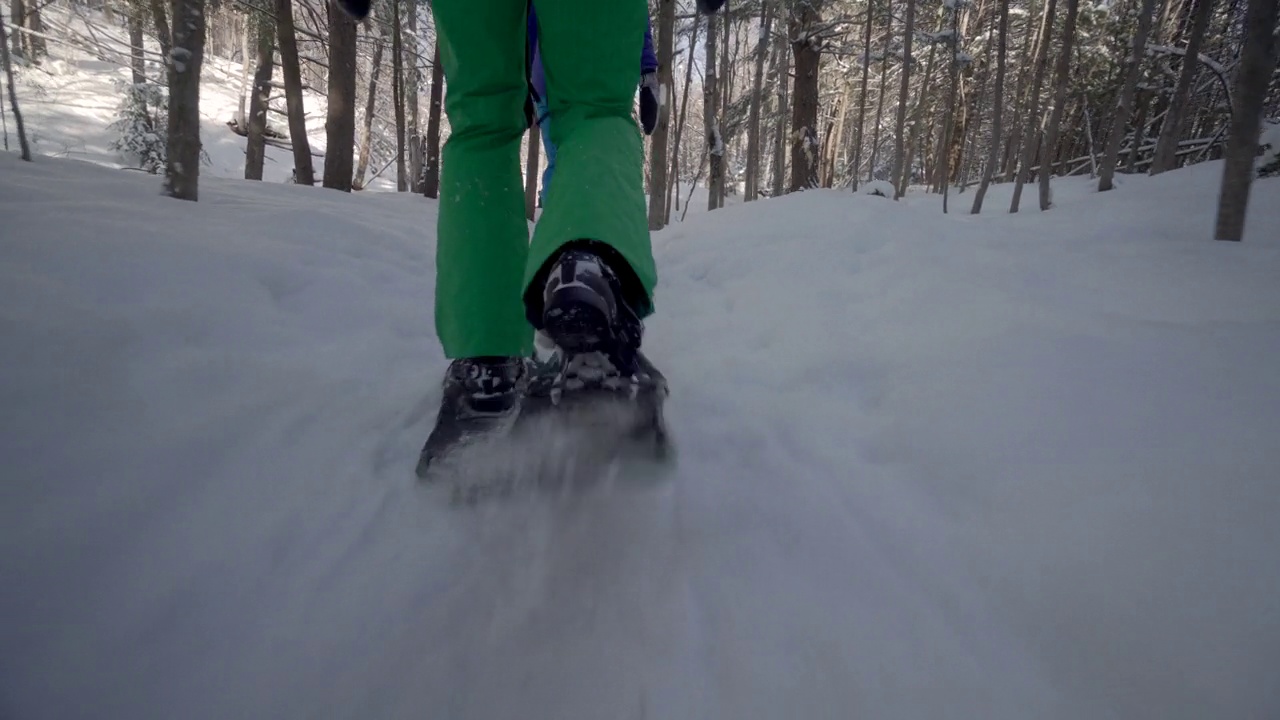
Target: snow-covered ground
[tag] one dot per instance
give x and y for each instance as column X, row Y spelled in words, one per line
column 930, row 466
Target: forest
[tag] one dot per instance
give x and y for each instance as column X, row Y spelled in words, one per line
column 766, row 98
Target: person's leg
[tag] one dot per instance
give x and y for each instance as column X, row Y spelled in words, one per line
column 589, row 50
column 483, row 237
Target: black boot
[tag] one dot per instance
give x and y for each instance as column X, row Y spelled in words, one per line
column 480, row 394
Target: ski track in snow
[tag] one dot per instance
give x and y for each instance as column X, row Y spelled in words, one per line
column 929, row 466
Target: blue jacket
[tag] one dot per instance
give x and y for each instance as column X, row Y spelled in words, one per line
column 538, row 77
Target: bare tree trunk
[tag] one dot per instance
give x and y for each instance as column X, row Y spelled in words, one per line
column 411, row 99
column 710, row 106
column 13, row 95
column 431, row 181
column 39, row 50
column 1257, row 61
column 780, row 140
column 255, row 149
column 899, row 141
column 163, row 34
column 242, row 119
column 137, row 61
column 18, row 16
column 340, row 122
column 680, row 121
column 304, row 174
column 949, row 123
column 1031, row 138
column 366, row 138
column 997, row 109
column 1062, row 78
column 806, row 46
column 397, row 87
column 182, row 165
column 884, row 69
column 917, row 118
column 1009, row 164
column 658, row 165
column 531, row 173
column 753, row 120
column 862, row 99
column 1133, row 70
column 1166, row 157
column 835, row 145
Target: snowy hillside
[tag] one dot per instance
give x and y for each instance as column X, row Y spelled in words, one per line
column 930, row 467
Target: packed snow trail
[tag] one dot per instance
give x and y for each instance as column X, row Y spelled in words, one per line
column 998, row 467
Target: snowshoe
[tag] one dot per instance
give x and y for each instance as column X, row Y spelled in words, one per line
column 481, row 398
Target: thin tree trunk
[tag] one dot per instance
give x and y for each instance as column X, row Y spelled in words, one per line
column 1009, row 163
column 411, row 99
column 1257, row 62
column 780, row 140
column 658, row 165
column 805, row 147
column 431, row 180
column 39, row 50
column 1133, row 70
column 397, row 87
column 1171, row 132
column 1030, row 138
column 710, row 105
column 834, row 146
column 531, row 173
column 366, row 138
column 949, row 123
column 680, row 121
column 304, row 174
column 917, row 119
column 137, row 61
column 18, row 16
column 884, row 69
column 1062, row 78
column 862, row 99
column 340, row 122
column 997, row 109
column 753, row 120
column 13, row 95
column 246, row 45
column 164, row 35
column 255, row 149
column 182, row 165
column 899, row 141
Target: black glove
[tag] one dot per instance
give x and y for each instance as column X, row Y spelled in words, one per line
column 650, row 102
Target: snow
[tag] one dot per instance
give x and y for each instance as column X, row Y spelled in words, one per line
column 929, row 466
column 1270, row 142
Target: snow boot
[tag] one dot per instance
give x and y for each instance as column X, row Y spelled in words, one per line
column 481, row 394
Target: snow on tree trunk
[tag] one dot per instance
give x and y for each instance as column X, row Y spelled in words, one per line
column 1166, row 156
column 997, row 110
column 1257, row 62
column 182, row 165
column 431, row 173
column 1124, row 106
column 658, row 165
column 13, row 95
column 255, row 151
column 900, row 172
column 340, row 121
column 753, row 120
column 807, row 49
column 1062, row 79
column 304, row 173
column 246, row 43
column 371, row 100
column 1031, row 138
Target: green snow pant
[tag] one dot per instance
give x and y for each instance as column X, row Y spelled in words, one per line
column 484, row 260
